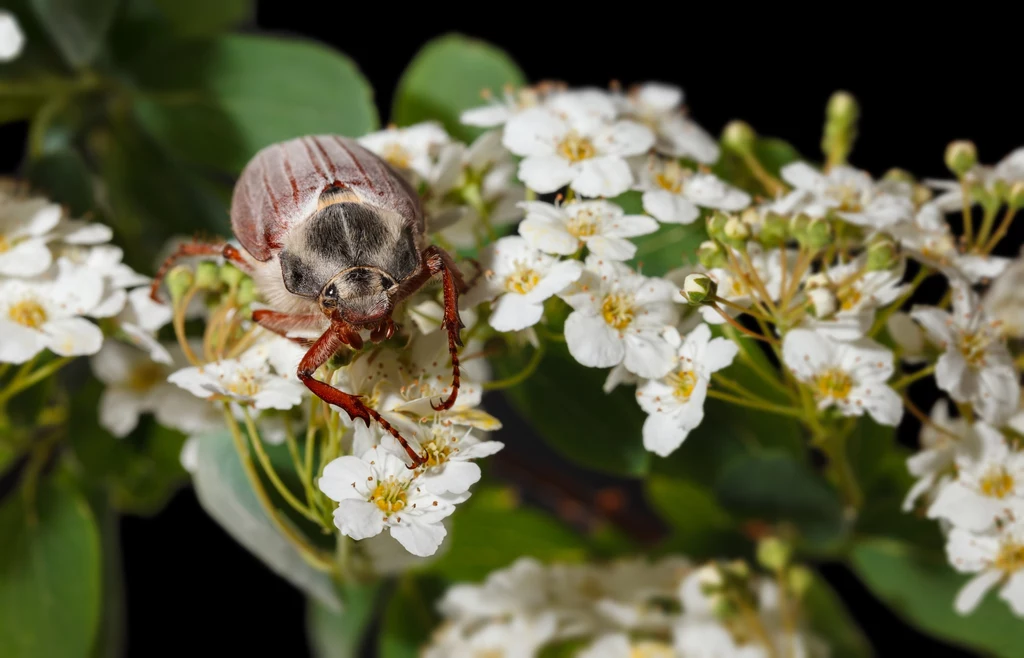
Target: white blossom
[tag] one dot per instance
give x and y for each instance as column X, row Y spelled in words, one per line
column 575, row 140
column 1006, row 172
column 659, row 107
column 942, row 442
column 929, row 239
column 411, row 150
column 248, row 380
column 674, row 194
column 26, row 225
column 909, row 337
column 449, row 468
column 601, row 226
column 676, row 401
column 849, row 375
column 976, row 366
column 513, row 101
column 996, row 557
column 518, row 637
column 376, row 491
column 849, row 193
column 141, row 319
column 738, row 287
column 858, row 293
column 1004, row 300
column 12, row 39
column 620, row 316
column 521, row 279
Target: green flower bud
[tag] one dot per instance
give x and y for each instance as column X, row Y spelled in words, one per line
column 208, row 276
column 799, row 579
column 738, row 569
column 179, row 280
column 921, row 194
column 900, row 176
column 842, row 108
column 1015, row 197
column 231, row 275
column 736, row 229
column 246, row 292
column 722, row 608
column 698, row 289
column 823, row 302
column 773, row 553
column 819, row 233
column 961, row 156
column 739, row 136
column 774, row 230
column 798, row 227
column 883, row 254
column 716, row 225
column 710, row 254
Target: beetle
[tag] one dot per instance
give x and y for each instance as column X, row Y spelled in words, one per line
column 334, row 239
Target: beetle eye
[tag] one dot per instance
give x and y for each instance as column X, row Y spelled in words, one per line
column 332, row 291
column 387, row 283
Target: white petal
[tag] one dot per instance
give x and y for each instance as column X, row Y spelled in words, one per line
column 603, row 176
column 950, row 376
column 608, row 646
column 624, row 138
column 112, row 304
column 359, row 519
column 513, row 312
column 346, row 478
column 73, row 337
column 559, row 276
column 999, row 394
column 545, row 173
column 27, row 258
column 712, row 192
column 419, row 539
column 664, row 433
column 486, row 116
column 969, row 552
column 194, row 380
column 965, row 508
column 1013, row 593
column 613, row 248
column 970, row 595
column 806, row 353
column 935, row 322
column 279, row 393
column 804, row 176
column 189, row 456
column 659, row 97
column 719, row 354
column 631, row 226
column 670, row 208
column 550, row 236
column 884, row 405
column 19, row 343
column 453, row 477
column 478, row 450
column 648, row 355
column 119, row 411
column 592, row 342
column 683, row 138
column 976, row 267
column 533, row 132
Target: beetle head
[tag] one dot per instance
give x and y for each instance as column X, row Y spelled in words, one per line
column 359, row 295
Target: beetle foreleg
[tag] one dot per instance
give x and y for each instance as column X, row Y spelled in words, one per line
column 196, row 249
column 438, row 261
column 322, row 350
column 282, row 323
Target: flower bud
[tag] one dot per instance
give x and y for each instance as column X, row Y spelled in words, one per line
column 179, row 280
column 798, row 227
column 208, row 276
column 961, row 156
column 907, row 335
column 883, row 254
column 710, row 254
column 899, row 176
column 716, row 225
column 1015, row 197
column 921, row 194
column 819, row 233
column 736, row 229
column 698, row 289
column 774, row 230
column 840, row 127
column 722, row 608
column 231, row 275
column 739, row 136
column 817, row 280
column 773, row 553
column 246, row 292
column 710, row 577
column 823, row 302
column 842, row 108
column 799, row 579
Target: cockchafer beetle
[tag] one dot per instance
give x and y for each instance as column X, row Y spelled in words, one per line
column 334, row 239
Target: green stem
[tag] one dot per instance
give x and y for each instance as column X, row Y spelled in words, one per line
column 315, row 557
column 771, row 184
column 883, row 317
column 1000, row 233
column 988, row 220
column 907, row 380
column 834, row 446
column 22, row 381
column 756, row 404
column 521, row 376
column 268, row 468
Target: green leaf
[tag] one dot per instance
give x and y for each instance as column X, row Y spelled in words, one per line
column 771, row 152
column 772, row 486
column 409, row 618
column 828, row 618
column 224, row 492
column 491, row 530
column 920, row 586
column 110, row 641
column 64, row 177
column 216, row 103
column 701, row 528
column 334, row 634
column 564, row 402
column 197, row 18
column 49, row 575
column 78, row 27
column 447, row 76
column 670, row 247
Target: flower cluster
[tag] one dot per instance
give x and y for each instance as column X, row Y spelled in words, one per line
column 628, row 608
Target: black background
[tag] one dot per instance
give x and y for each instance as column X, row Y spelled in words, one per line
column 921, row 81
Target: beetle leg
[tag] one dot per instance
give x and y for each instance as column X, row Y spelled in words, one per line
column 322, row 350
column 282, row 323
column 383, row 331
column 196, row 249
column 438, row 261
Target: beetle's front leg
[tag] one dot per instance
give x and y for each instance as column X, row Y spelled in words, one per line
column 227, row 251
column 439, row 262
column 323, row 349
column 282, row 323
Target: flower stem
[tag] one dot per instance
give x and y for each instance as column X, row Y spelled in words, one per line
column 834, row 446
column 965, row 197
column 907, row 380
column 23, row 381
column 315, row 557
column 771, row 184
column 268, row 468
column 1000, row 233
column 732, row 321
column 521, row 376
column 755, row 404
column 178, row 322
column 988, row 220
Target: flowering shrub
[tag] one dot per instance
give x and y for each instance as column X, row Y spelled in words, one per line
column 735, row 326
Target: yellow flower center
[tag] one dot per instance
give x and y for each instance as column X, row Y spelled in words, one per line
column 972, row 346
column 145, row 376
column 29, row 313
column 584, row 224
column 489, row 653
column 617, row 310
column 397, row 156
column 938, row 249
column 671, row 177
column 440, row 447
column 522, row 280
column 244, row 384
column 574, row 147
column 389, row 496
column 683, row 383
column 849, row 298
column 650, row 649
column 834, row 383
column 848, row 197
column 1010, row 557
column 5, row 244
column 997, row 483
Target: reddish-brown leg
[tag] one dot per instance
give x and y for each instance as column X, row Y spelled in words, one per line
column 438, row 261
column 282, row 323
column 196, row 249
column 322, row 350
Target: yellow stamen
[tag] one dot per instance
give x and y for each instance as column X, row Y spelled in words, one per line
column 671, row 177
column 682, row 382
column 522, row 280
column 997, row 483
column 1010, row 557
column 584, row 224
column 649, row 649
column 145, row 376
column 244, row 383
column 5, row 245
column 972, row 346
column 397, row 156
column 849, row 298
column 617, row 310
column 389, row 495
column 834, row 383
column 29, row 313
column 574, row 147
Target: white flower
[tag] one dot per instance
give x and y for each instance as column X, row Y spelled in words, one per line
column 247, row 380
column 672, row 193
column 38, row 314
column 410, row 150
column 26, row 224
column 601, row 226
column 522, row 279
column 989, row 485
column 1004, row 300
column 105, row 260
column 448, row 468
column 141, row 319
column 739, row 290
column 574, row 141
column 929, row 239
column 858, row 294
column 12, row 39
column 851, row 376
column 933, row 464
column 908, row 337
column 620, row 316
column 851, row 194
column 518, row 637
column 618, row 645
column 658, row 106
column 499, row 111
column 377, row 491
column 976, row 366
column 996, row 557
column 1006, row 172
column 676, row 402
column 522, row 587
column 137, row 385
